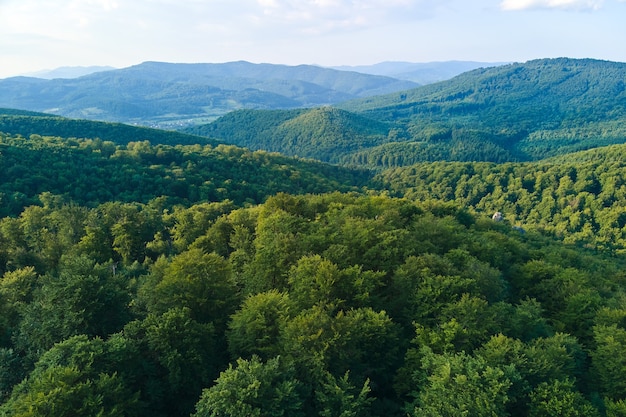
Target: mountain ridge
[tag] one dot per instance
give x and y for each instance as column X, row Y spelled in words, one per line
column 93, row 163
column 26, row 123
column 167, row 94
column 420, row 72
column 523, row 111
column 68, row 71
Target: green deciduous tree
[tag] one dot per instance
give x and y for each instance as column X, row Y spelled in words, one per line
column 66, row 391
column 84, row 298
column 337, row 397
column 255, row 329
column 16, row 292
column 253, row 388
column 278, row 245
column 78, row 376
column 362, row 341
column 609, row 361
column 196, row 280
column 559, row 398
column 178, row 357
column 316, row 280
column 461, row 385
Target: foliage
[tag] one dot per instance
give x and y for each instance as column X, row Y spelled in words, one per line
column 70, row 379
column 83, row 298
column 197, row 281
column 578, row 198
column 517, row 112
column 322, row 133
column 91, row 172
column 168, row 295
column 333, row 304
column 458, row 384
column 253, row 388
column 560, row 399
column 26, row 124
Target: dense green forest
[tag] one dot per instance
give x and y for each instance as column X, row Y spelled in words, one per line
column 26, row 123
column 517, row 112
column 153, row 300
column 90, row 172
column 334, row 304
column 579, row 198
column 154, row 273
column 534, row 110
column 323, row 133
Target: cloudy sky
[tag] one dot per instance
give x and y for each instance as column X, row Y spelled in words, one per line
column 46, row 34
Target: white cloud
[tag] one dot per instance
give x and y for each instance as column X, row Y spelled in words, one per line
column 515, row 5
column 62, row 19
column 322, row 16
column 81, row 20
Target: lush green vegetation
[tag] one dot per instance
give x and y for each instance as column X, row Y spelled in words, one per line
column 146, row 275
column 29, row 123
column 579, row 198
column 323, row 133
column 334, row 304
column 517, row 112
column 531, row 109
column 149, row 301
column 90, row 172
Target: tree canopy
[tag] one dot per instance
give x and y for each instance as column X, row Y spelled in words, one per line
column 333, row 304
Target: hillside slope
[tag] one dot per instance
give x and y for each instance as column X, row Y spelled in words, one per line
column 322, row 133
column 517, row 112
column 97, row 162
column 167, row 94
column 533, row 110
column 579, row 197
column 25, row 123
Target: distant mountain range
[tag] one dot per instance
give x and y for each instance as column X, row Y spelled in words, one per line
column 171, row 95
column 168, row 95
column 68, row 72
column 421, row 73
column 513, row 112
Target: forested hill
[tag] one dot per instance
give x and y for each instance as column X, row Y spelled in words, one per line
column 541, row 94
column 89, row 172
column 17, row 112
column 140, row 278
column 579, row 198
column 535, row 109
column 515, row 112
column 169, row 95
column 324, row 133
column 25, row 123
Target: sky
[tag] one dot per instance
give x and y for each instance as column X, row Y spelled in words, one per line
column 47, row 34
